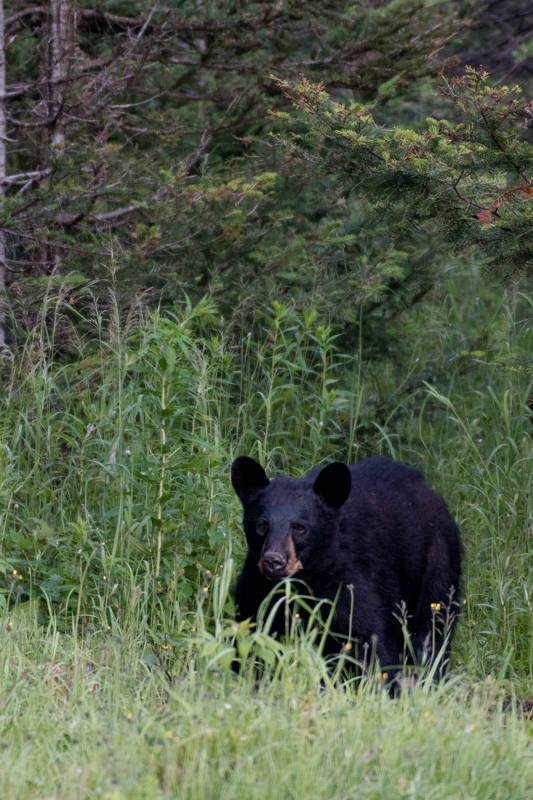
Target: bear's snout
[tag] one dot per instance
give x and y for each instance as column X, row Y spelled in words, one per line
column 279, row 563
column 273, row 564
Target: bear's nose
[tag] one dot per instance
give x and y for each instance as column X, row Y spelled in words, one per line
column 274, row 564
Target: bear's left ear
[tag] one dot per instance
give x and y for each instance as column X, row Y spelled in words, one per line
column 247, row 476
column 333, row 484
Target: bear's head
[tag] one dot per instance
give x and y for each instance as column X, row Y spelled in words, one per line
column 289, row 523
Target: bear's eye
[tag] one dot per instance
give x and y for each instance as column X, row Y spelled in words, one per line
column 261, row 527
column 298, row 528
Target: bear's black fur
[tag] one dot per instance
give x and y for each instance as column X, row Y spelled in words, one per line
column 373, row 536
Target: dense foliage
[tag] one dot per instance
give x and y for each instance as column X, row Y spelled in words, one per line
column 151, row 146
column 466, row 181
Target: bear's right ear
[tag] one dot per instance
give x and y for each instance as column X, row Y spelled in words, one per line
column 247, row 477
column 333, row 484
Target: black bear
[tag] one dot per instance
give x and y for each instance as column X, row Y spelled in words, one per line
column 372, row 537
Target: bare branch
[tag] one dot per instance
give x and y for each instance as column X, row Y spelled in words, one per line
column 27, row 12
column 193, row 158
column 22, row 177
column 107, row 216
column 113, row 22
column 140, row 102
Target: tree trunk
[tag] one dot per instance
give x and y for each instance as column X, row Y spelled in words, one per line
column 57, row 52
column 3, row 168
column 58, row 47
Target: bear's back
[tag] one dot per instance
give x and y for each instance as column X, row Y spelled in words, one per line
column 391, row 524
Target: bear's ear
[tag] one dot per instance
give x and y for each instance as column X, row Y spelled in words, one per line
column 333, row 484
column 247, row 476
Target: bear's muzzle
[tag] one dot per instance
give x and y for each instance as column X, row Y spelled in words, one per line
column 276, row 565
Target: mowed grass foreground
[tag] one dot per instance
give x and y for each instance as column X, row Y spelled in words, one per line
column 120, row 536
column 88, row 719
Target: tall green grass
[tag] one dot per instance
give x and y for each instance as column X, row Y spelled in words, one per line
column 120, row 537
column 114, row 464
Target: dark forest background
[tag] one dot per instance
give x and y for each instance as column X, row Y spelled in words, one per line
column 259, row 151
